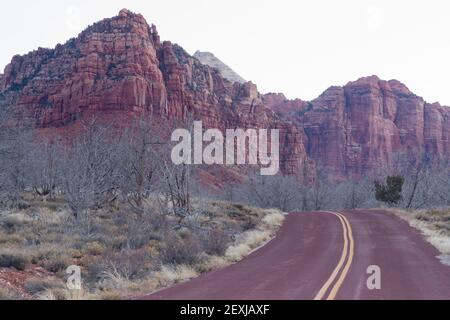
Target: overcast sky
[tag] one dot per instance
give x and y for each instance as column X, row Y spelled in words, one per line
column 296, row 47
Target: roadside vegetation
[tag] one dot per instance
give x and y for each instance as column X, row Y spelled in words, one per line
column 409, row 185
column 434, row 225
column 109, row 200
column 122, row 254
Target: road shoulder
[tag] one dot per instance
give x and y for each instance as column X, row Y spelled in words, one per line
column 434, row 226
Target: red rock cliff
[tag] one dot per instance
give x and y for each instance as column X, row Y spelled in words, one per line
column 119, row 67
column 367, row 124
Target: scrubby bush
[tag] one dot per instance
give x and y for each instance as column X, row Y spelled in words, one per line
column 11, row 260
column 391, row 192
column 57, row 262
column 128, row 264
column 215, row 242
column 181, row 250
column 139, row 231
column 13, row 222
column 9, row 294
column 35, row 285
column 94, row 248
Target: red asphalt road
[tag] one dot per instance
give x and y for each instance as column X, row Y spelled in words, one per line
column 308, row 248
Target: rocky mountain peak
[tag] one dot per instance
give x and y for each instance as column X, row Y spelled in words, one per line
column 211, row 60
column 398, row 86
column 377, row 83
column 125, row 13
column 369, row 80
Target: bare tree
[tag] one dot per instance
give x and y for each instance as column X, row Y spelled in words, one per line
column 280, row 192
column 15, row 140
column 178, row 179
column 141, row 163
column 353, row 194
column 43, row 167
column 321, row 189
column 178, row 188
column 90, row 168
column 441, row 178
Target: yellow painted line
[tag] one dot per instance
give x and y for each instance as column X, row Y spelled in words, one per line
column 344, row 273
column 336, row 270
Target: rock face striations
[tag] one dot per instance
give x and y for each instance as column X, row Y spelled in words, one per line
column 119, row 67
column 367, row 124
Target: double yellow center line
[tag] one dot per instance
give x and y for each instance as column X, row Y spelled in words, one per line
column 345, row 262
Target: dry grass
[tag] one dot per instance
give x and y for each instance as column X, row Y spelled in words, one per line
column 65, row 294
column 274, row 219
column 246, row 243
column 251, row 240
column 434, row 225
column 122, row 254
column 9, row 294
column 213, row 263
column 170, row 275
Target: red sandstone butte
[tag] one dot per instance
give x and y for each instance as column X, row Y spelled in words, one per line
column 119, row 67
column 367, row 124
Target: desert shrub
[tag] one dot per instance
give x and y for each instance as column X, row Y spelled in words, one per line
column 249, row 224
column 119, row 242
column 424, row 217
column 239, row 206
column 54, row 294
column 35, row 285
column 93, row 268
column 237, row 252
column 13, row 222
column 56, row 262
column 274, row 220
column 391, row 192
column 157, row 220
column 435, row 216
column 86, row 224
column 9, row 294
column 11, row 260
column 215, row 242
column 253, row 238
column 181, row 250
column 174, row 274
column 94, row 248
column 38, row 254
column 245, row 243
column 109, row 296
column 136, row 231
column 139, row 232
column 129, row 264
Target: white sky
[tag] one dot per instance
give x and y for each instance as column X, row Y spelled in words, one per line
column 296, row 47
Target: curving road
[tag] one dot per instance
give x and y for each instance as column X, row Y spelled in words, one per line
column 325, row 256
